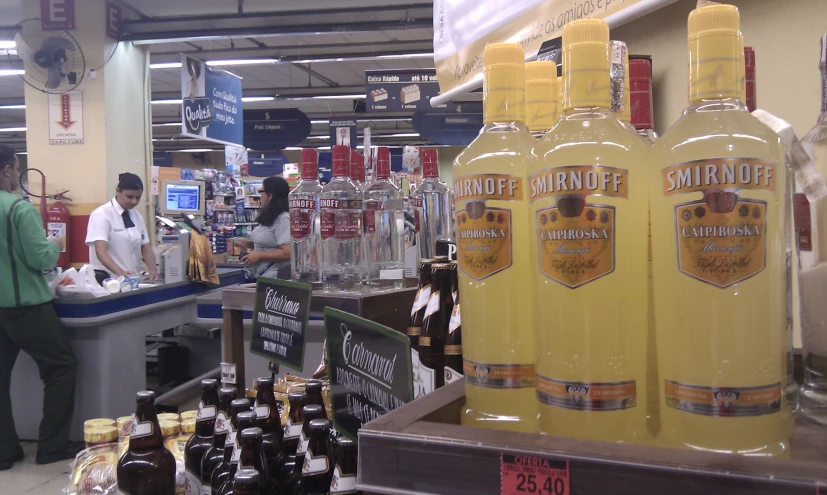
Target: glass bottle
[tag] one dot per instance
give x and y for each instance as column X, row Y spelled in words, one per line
column 357, row 170
column 344, row 472
column 431, row 376
column 717, row 190
column 202, row 440
column 384, row 228
column 269, row 420
column 491, row 201
column 252, row 456
column 749, row 78
column 620, row 90
column 313, row 390
column 433, row 207
column 540, row 97
column 812, row 241
column 293, row 426
column 247, row 482
column 305, row 255
column 246, row 421
column 147, row 467
column 640, row 96
column 215, row 454
column 221, row 474
column 341, row 227
column 588, row 203
column 316, row 469
column 453, row 342
column 310, row 412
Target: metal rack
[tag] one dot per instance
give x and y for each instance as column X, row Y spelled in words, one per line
column 421, row 448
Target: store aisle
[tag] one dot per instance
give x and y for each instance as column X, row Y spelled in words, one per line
column 28, row 478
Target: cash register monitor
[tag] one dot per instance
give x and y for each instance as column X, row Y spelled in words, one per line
column 181, row 197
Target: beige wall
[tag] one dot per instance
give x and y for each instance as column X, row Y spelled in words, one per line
column 785, row 37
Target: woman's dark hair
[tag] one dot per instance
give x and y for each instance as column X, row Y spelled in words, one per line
column 278, row 189
column 131, row 182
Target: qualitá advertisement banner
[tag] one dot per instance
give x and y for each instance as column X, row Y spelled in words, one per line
column 211, row 107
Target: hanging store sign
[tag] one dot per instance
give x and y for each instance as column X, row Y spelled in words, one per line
column 462, row 29
column 400, row 90
column 266, row 164
column 370, row 370
column 211, row 106
column 455, row 124
column 114, row 18
column 57, row 15
column 275, row 129
column 343, row 131
column 280, row 321
column 66, row 118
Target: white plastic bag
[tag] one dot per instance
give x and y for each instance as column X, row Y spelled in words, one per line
column 85, row 285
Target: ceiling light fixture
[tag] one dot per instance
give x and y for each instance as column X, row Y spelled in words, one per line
column 168, row 65
column 401, row 56
column 12, row 129
column 12, row 72
column 195, row 150
column 322, row 97
column 250, row 99
column 7, row 44
column 167, row 124
column 166, row 102
column 242, row 61
column 12, row 107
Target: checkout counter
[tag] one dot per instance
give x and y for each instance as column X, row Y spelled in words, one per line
column 108, row 335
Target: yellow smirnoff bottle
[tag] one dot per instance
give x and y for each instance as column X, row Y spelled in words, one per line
column 588, row 194
column 717, row 206
column 541, row 96
column 495, row 273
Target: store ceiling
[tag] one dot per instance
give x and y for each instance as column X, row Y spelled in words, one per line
column 366, row 34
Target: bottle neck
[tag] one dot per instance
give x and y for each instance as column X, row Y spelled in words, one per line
column 714, row 67
column 822, row 118
column 586, row 77
column 503, row 95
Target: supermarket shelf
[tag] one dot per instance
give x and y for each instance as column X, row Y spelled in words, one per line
column 252, row 207
column 421, row 448
column 246, row 223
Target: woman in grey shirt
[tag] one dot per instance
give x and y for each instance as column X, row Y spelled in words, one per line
column 271, row 238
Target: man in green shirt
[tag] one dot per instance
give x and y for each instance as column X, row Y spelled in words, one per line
column 28, row 322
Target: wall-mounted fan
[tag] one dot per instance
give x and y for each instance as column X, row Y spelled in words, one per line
column 53, row 60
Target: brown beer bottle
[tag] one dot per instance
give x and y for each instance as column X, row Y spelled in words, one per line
column 215, row 454
column 344, row 472
column 272, row 439
column 313, row 389
column 310, row 412
column 201, row 441
column 453, row 343
column 247, row 482
column 420, row 301
column 316, row 469
column 292, row 435
column 434, row 332
column 147, row 467
column 252, row 456
column 246, row 420
column 221, row 473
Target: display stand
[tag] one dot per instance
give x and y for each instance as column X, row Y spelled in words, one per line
column 421, row 448
column 390, row 308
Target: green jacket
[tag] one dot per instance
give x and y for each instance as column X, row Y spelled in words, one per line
column 22, row 263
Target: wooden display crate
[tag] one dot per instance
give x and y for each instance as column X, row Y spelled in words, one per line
column 422, row 449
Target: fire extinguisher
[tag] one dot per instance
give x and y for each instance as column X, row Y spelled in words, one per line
column 55, row 219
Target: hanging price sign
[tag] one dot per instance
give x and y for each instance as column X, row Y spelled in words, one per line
column 523, row 474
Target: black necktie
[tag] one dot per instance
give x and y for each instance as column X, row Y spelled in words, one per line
column 127, row 220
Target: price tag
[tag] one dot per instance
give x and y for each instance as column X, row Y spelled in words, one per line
column 228, row 373
column 523, row 474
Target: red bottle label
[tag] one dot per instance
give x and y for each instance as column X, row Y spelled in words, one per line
column 299, row 224
column 347, row 225
column 328, row 224
column 369, row 216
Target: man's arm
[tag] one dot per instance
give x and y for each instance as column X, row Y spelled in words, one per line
column 38, row 253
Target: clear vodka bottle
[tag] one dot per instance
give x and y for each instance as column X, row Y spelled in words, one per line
column 433, row 203
column 341, row 227
column 305, row 254
column 357, row 170
column 811, row 227
column 384, row 228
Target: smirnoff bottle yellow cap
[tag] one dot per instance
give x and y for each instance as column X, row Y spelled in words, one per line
column 541, row 95
column 586, row 64
column 503, row 83
column 714, row 59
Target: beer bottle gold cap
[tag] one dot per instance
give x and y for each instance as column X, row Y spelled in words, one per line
column 188, row 426
column 541, row 95
column 100, row 434
column 504, row 82
column 188, row 415
column 92, row 423
column 714, row 58
column 586, row 64
column 170, row 428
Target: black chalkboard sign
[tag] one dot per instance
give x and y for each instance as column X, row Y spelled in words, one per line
column 280, row 321
column 370, row 370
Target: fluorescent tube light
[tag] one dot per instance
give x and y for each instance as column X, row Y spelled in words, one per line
column 167, row 124
column 12, row 72
column 168, row 65
column 12, row 129
column 249, row 99
column 166, row 102
column 7, row 44
column 242, row 61
column 12, row 107
column 195, row 150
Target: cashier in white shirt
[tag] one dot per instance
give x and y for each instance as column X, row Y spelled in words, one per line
column 117, row 236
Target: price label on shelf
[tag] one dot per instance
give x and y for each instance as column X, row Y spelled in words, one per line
column 524, row 474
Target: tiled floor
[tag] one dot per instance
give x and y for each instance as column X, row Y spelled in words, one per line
column 28, row 478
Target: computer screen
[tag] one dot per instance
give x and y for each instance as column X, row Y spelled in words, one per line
column 179, row 197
